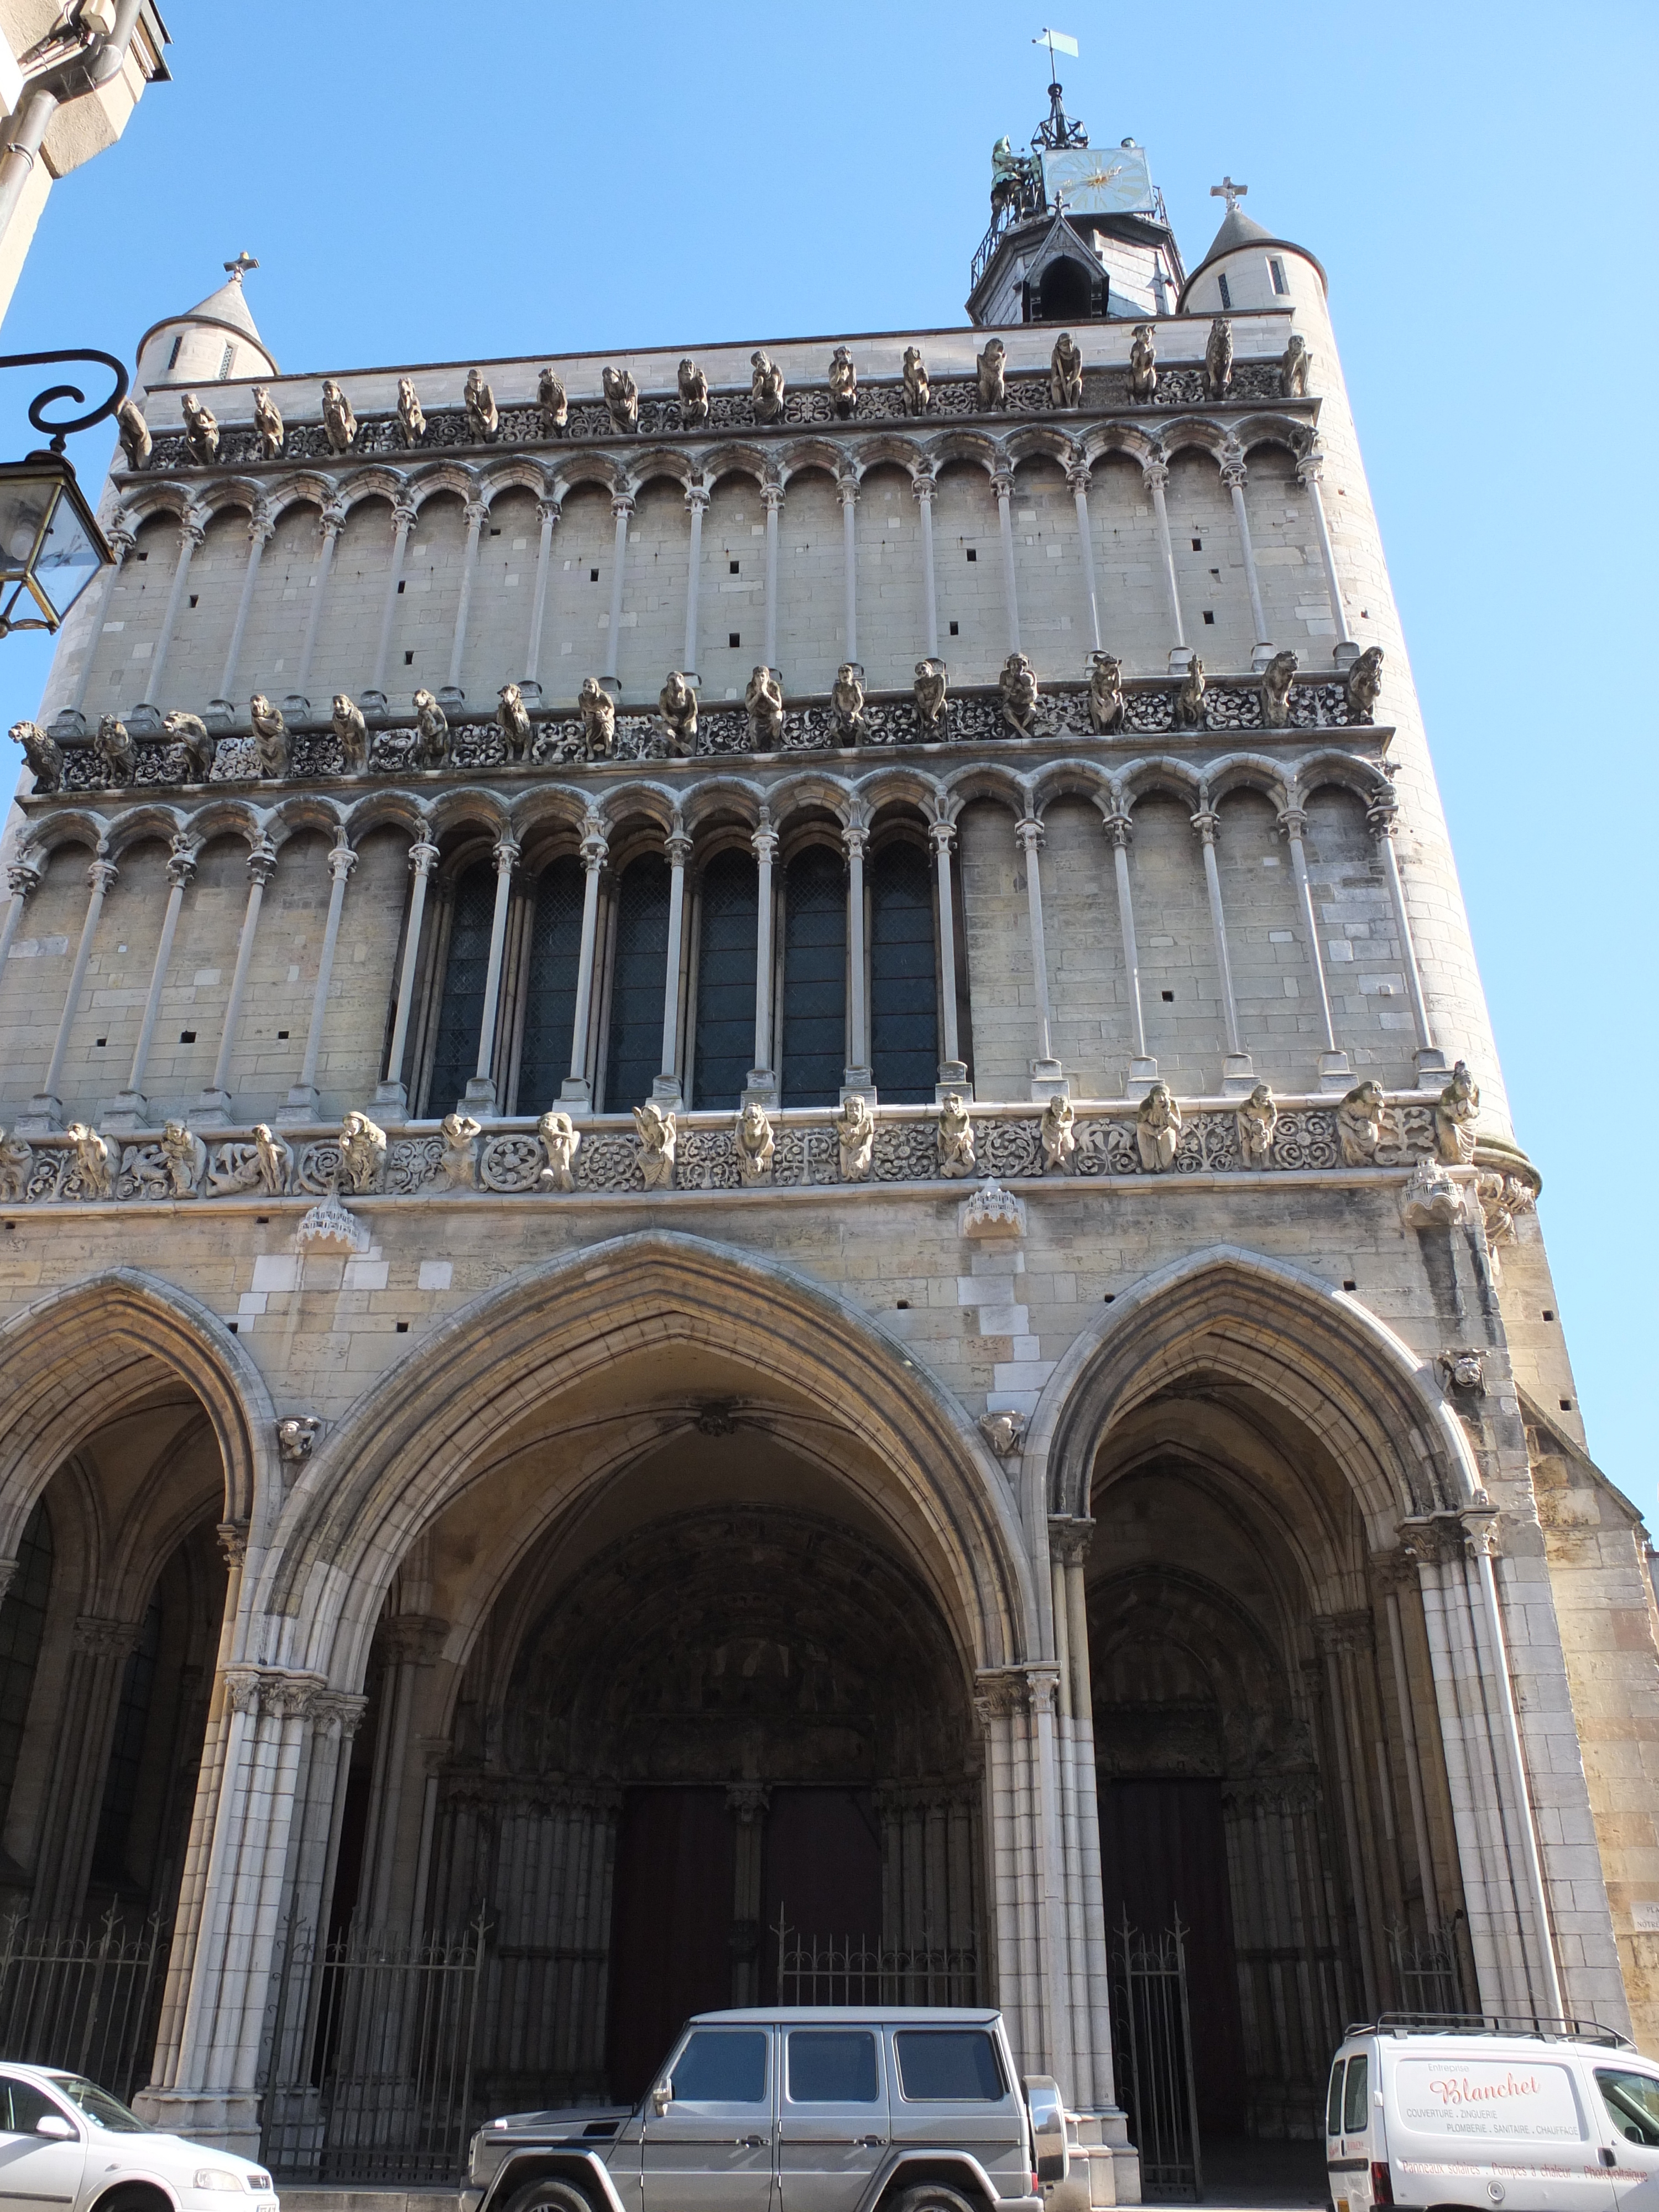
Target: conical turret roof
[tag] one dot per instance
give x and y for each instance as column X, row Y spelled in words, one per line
column 227, row 309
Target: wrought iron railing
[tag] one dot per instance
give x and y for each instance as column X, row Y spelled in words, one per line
column 850, row 1969
column 84, row 1997
column 370, row 2078
column 1153, row 2038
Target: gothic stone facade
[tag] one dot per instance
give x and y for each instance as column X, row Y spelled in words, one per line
column 951, row 1532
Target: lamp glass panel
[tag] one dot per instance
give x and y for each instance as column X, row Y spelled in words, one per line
column 68, row 559
column 25, row 504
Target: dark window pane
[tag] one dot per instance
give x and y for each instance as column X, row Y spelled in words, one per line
column 833, row 2066
column 455, row 1055
column 903, row 988
column 948, row 2062
column 636, row 985
column 23, row 1624
column 1356, row 2115
column 726, row 979
column 1633, row 2101
column 555, row 942
column 722, row 2066
column 127, row 1754
column 29, row 2107
column 814, row 978
column 1333, row 2102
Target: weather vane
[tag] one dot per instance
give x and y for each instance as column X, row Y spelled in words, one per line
column 1057, row 129
column 1228, row 190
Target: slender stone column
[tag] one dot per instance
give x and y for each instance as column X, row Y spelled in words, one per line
column 476, row 512
column 1076, row 475
column 578, row 1088
column 1047, row 1075
column 772, row 498
column 423, row 859
column 666, row 1088
column 622, row 508
column 953, row 1069
column 45, row 1110
column 763, row 1079
column 1233, row 475
column 1155, row 475
column 191, row 531
column 857, row 1076
column 22, row 876
column 303, row 1097
column 260, row 531
column 412, row 1644
column 1092, row 2010
column 1413, row 1759
column 1309, row 472
column 696, row 505
column 213, row 1106
column 1143, row 1068
column 481, row 1090
column 1237, row 1074
column 923, row 487
column 99, row 1650
column 848, row 487
column 746, row 1801
column 403, row 522
column 333, row 521
column 1334, row 1073
column 548, row 511
column 131, row 1107
column 121, row 543
column 1383, row 815
column 1003, row 484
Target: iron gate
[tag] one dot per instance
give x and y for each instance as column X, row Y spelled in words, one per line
column 370, row 2078
column 86, row 1998
column 849, row 1970
column 1154, row 2040
column 1425, row 1968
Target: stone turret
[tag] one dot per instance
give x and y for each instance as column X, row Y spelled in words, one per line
column 214, row 341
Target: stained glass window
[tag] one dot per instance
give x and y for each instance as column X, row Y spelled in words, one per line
column 549, row 1005
column 636, row 984
column 903, row 984
column 455, row 1053
column 726, row 978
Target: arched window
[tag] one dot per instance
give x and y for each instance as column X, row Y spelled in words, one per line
column 126, row 1756
column 555, row 951
column 455, row 1052
column 637, row 977
column 814, row 977
column 1063, row 293
column 22, row 1624
column 729, row 921
column 903, row 977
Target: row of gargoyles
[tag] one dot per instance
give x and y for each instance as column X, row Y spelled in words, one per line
column 117, row 751
column 766, row 389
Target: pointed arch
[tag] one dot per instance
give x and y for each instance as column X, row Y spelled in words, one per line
column 74, row 1359
column 1314, row 1350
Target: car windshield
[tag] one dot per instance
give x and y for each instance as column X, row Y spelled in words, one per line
column 98, row 2105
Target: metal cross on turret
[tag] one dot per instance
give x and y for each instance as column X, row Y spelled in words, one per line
column 1228, row 190
column 238, row 269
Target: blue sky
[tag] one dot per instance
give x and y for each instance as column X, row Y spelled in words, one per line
column 423, row 181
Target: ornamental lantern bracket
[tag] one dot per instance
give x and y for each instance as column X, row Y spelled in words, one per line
column 50, row 545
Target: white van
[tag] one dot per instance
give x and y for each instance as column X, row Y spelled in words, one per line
column 1547, row 2117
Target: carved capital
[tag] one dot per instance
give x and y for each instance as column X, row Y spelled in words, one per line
column 772, row 497
column 697, row 500
column 1002, row 484
column 103, row 876
column 22, row 876
column 262, row 862
column 1027, row 833
column 414, row 1638
column 1343, row 1632
column 1032, row 1687
column 193, row 528
column 337, row 1709
column 1293, row 822
column 1077, row 474
column 181, row 861
column 475, row 511
column 942, row 837
column 261, row 526
column 747, row 1802
column 233, row 1541
column 1208, row 822
column 1234, row 476
column 1155, row 475
column 341, row 861
column 621, row 507
column 924, row 485
column 422, row 857
column 855, row 840
column 765, row 843
column 403, row 519
column 1069, row 1538
column 333, row 517
column 1382, row 815
column 678, row 846
column 1120, row 830
column 506, row 850
column 122, row 540
column 104, row 1639
column 593, row 847
column 1310, row 468
column 847, row 490
column 547, row 511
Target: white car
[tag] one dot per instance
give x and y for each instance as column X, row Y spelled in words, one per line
column 67, row 2145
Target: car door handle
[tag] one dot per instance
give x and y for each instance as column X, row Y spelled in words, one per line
column 1610, row 2157
column 751, row 2142
column 869, row 2142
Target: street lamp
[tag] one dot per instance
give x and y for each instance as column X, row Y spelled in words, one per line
column 50, row 545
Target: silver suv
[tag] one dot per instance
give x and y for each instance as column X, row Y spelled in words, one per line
column 797, row 2109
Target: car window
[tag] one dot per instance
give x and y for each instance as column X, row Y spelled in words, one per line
column 1333, row 2102
column 1633, row 2101
column 22, row 2105
column 948, row 2063
column 833, row 2066
column 1356, row 2115
column 98, row 2105
column 722, row 2066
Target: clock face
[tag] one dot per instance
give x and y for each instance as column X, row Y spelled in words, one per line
column 1100, row 180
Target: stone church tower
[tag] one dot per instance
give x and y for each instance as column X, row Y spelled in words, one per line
column 759, row 1235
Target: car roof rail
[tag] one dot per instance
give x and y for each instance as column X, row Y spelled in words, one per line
column 1547, row 2027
